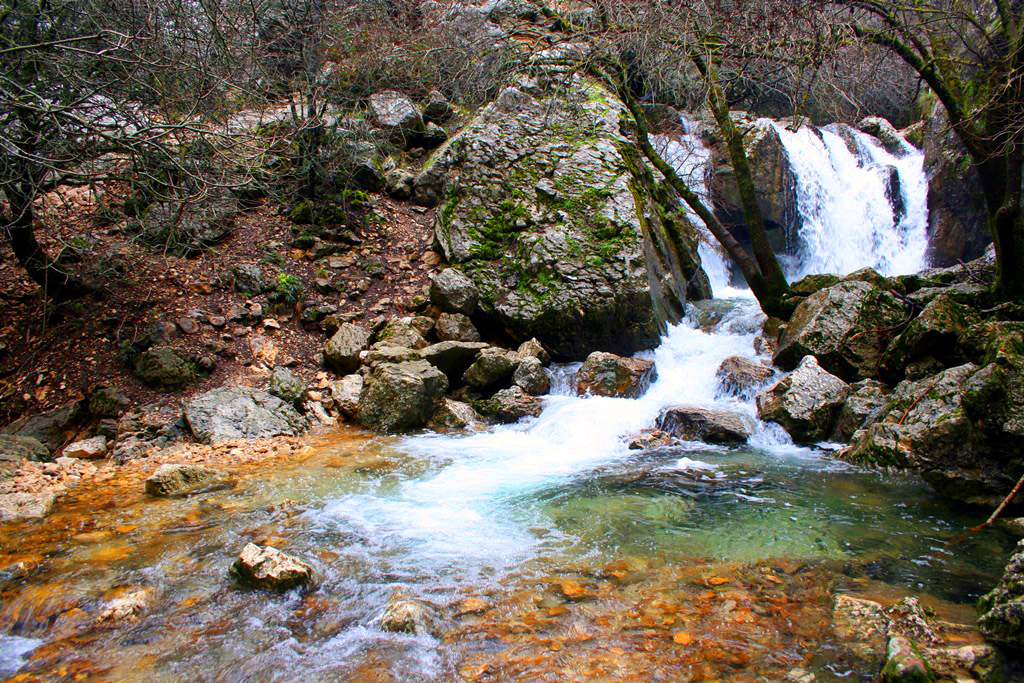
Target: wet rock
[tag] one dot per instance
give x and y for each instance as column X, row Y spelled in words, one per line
column 287, row 386
column 107, row 402
column 605, row 374
column 271, row 569
column 456, row 327
column 861, row 625
column 494, row 367
column 510, row 405
column 346, row 392
column 53, row 429
column 845, row 326
column 1001, row 611
column 396, row 114
column 1014, row 525
column 342, row 350
column 694, row 423
column 87, row 449
column 408, row 616
column 739, row 376
column 452, row 358
column 530, row 376
column 453, row 292
column 23, row 505
column 805, row 403
column 165, row 368
column 180, row 480
column 401, row 332
column 651, row 438
column 126, row 609
column 401, row 396
column 534, row 349
column 240, row 413
column 866, row 399
column 454, row 415
column 907, row 618
column 904, row 663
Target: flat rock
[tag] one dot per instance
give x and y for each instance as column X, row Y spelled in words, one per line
column 87, row 449
column 240, row 413
column 21, row 505
column 710, row 425
column 179, row 480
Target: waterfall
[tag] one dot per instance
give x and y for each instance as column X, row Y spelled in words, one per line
column 866, row 207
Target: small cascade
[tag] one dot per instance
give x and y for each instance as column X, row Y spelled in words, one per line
column 859, row 207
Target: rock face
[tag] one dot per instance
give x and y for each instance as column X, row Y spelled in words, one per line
column 180, row 480
column 269, row 568
column 401, row 396
column 739, row 376
column 545, row 204
column 14, row 449
column 844, row 327
column 1001, row 611
column 52, row 429
column 605, row 374
column 957, row 225
column 240, row 413
column 453, row 292
column 934, row 334
column 692, row 423
column 805, row 403
column 165, row 368
column 343, row 349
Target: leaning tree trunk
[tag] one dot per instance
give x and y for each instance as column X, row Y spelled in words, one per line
column 56, row 283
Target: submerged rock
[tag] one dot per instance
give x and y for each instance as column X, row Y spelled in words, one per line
column 650, row 438
column 269, row 568
column 408, row 616
column 693, row 423
column 1001, row 611
column 401, row 396
column 240, row 413
column 805, row 402
column 605, row 374
column 739, row 376
column 179, row 480
column 904, row 663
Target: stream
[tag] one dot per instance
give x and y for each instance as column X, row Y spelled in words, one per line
column 547, row 549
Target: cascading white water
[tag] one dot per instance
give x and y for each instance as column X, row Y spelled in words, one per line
column 847, row 219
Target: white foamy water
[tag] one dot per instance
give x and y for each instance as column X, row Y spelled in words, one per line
column 847, row 219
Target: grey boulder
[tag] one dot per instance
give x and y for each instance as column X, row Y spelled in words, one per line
column 240, row 413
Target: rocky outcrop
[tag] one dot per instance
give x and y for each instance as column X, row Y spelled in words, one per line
column 53, row 428
column 401, row 396
column 493, row 368
column 957, row 220
column 865, row 400
column 452, row 358
column 545, row 205
column 845, row 326
column 934, row 335
column 453, row 292
column 180, row 480
column 343, row 349
column 605, row 374
column 270, row 569
column 240, row 413
column 739, row 376
column 692, row 423
column 805, row 402
column 1001, row 611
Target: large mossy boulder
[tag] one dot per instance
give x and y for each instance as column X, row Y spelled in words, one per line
column 165, row 369
column 1001, row 611
column 548, row 209
column 846, row 327
column 240, row 413
column 805, row 403
column 401, row 396
column 934, row 334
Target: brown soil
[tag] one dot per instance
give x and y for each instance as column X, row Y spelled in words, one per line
column 53, row 355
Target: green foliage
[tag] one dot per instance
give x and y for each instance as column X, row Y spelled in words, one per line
column 494, row 233
column 289, row 288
